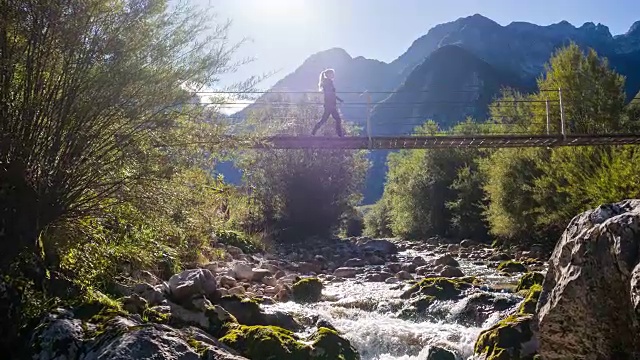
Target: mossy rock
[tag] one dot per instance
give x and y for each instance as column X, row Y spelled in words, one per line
column 265, row 343
column 326, row 344
column 246, row 311
column 511, row 338
column 511, row 267
column 528, row 280
column 417, row 308
column 438, row 353
column 530, row 302
column 440, row 288
column 220, row 320
column 307, row 290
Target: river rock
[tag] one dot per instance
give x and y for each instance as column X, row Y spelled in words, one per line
column 510, row 338
column 392, row 280
column 438, row 353
column 467, row 243
column 227, row 281
column 355, row 262
column 242, row 271
column 238, row 290
column 378, row 276
column 185, row 285
column 410, row 268
column 453, row 248
column 134, row 304
column 500, row 257
column 345, row 272
column 479, row 307
column 383, row 246
column 375, row 260
column 394, row 267
column 446, row 260
column 419, row 261
column 591, row 294
column 154, row 295
column 259, row 274
column 269, row 281
column 511, row 267
column 450, row 271
column 404, row 275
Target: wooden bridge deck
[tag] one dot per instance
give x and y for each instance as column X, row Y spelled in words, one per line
column 445, row 141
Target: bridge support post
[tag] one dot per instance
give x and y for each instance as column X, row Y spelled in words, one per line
column 548, row 126
column 562, row 127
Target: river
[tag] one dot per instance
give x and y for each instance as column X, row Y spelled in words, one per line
column 366, row 313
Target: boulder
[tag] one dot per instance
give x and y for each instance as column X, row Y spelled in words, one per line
column 438, row 353
column 446, row 260
column 410, row 268
column 528, row 280
column 154, row 295
column 467, row 243
column 375, row 260
column 227, row 281
column 385, row 247
column 419, row 261
column 590, row 302
column 134, row 304
column 394, row 267
column 270, row 342
column 511, row 267
column 234, row 251
column 259, row 274
column 55, row 329
column 404, row 275
column 510, row 338
column 499, row 257
column 307, row 290
column 453, row 248
column 355, row 262
column 440, row 288
column 424, row 270
column 378, row 276
column 479, row 307
column 450, row 271
column 189, row 283
column 345, row 272
column 242, row 271
column 269, row 281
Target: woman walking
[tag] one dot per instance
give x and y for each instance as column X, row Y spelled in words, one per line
column 330, row 105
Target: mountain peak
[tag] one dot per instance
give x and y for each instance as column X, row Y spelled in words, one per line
column 634, row 29
column 478, row 20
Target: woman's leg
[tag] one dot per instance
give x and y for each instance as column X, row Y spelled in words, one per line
column 336, row 116
column 325, row 117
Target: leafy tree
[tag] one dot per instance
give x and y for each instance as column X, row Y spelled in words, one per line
column 535, row 192
column 301, row 192
column 426, row 190
column 92, row 101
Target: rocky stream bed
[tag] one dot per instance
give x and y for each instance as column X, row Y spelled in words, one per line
column 375, row 299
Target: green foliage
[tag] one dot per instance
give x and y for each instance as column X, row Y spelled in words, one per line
column 533, row 193
column 428, row 192
column 248, row 244
column 301, row 192
column 307, row 290
column 377, row 222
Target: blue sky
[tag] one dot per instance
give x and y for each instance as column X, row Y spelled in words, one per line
column 285, row 32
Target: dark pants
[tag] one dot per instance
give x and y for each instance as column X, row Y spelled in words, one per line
column 329, row 111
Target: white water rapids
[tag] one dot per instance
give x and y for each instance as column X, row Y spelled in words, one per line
column 366, row 314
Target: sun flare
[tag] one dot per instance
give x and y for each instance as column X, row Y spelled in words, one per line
column 281, row 8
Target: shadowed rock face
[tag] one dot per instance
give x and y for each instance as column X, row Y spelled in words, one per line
column 590, row 301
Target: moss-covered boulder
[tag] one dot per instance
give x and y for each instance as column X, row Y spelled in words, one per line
column 529, row 279
column 265, row 343
column 511, row 338
column 307, row 290
column 440, row 288
column 512, row 267
column 326, row 344
column 438, row 353
column 245, row 310
column 272, row 342
column 530, row 302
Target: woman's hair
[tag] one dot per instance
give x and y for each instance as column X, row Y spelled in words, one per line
column 323, row 75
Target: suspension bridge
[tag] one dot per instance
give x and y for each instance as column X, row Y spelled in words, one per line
column 445, row 139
